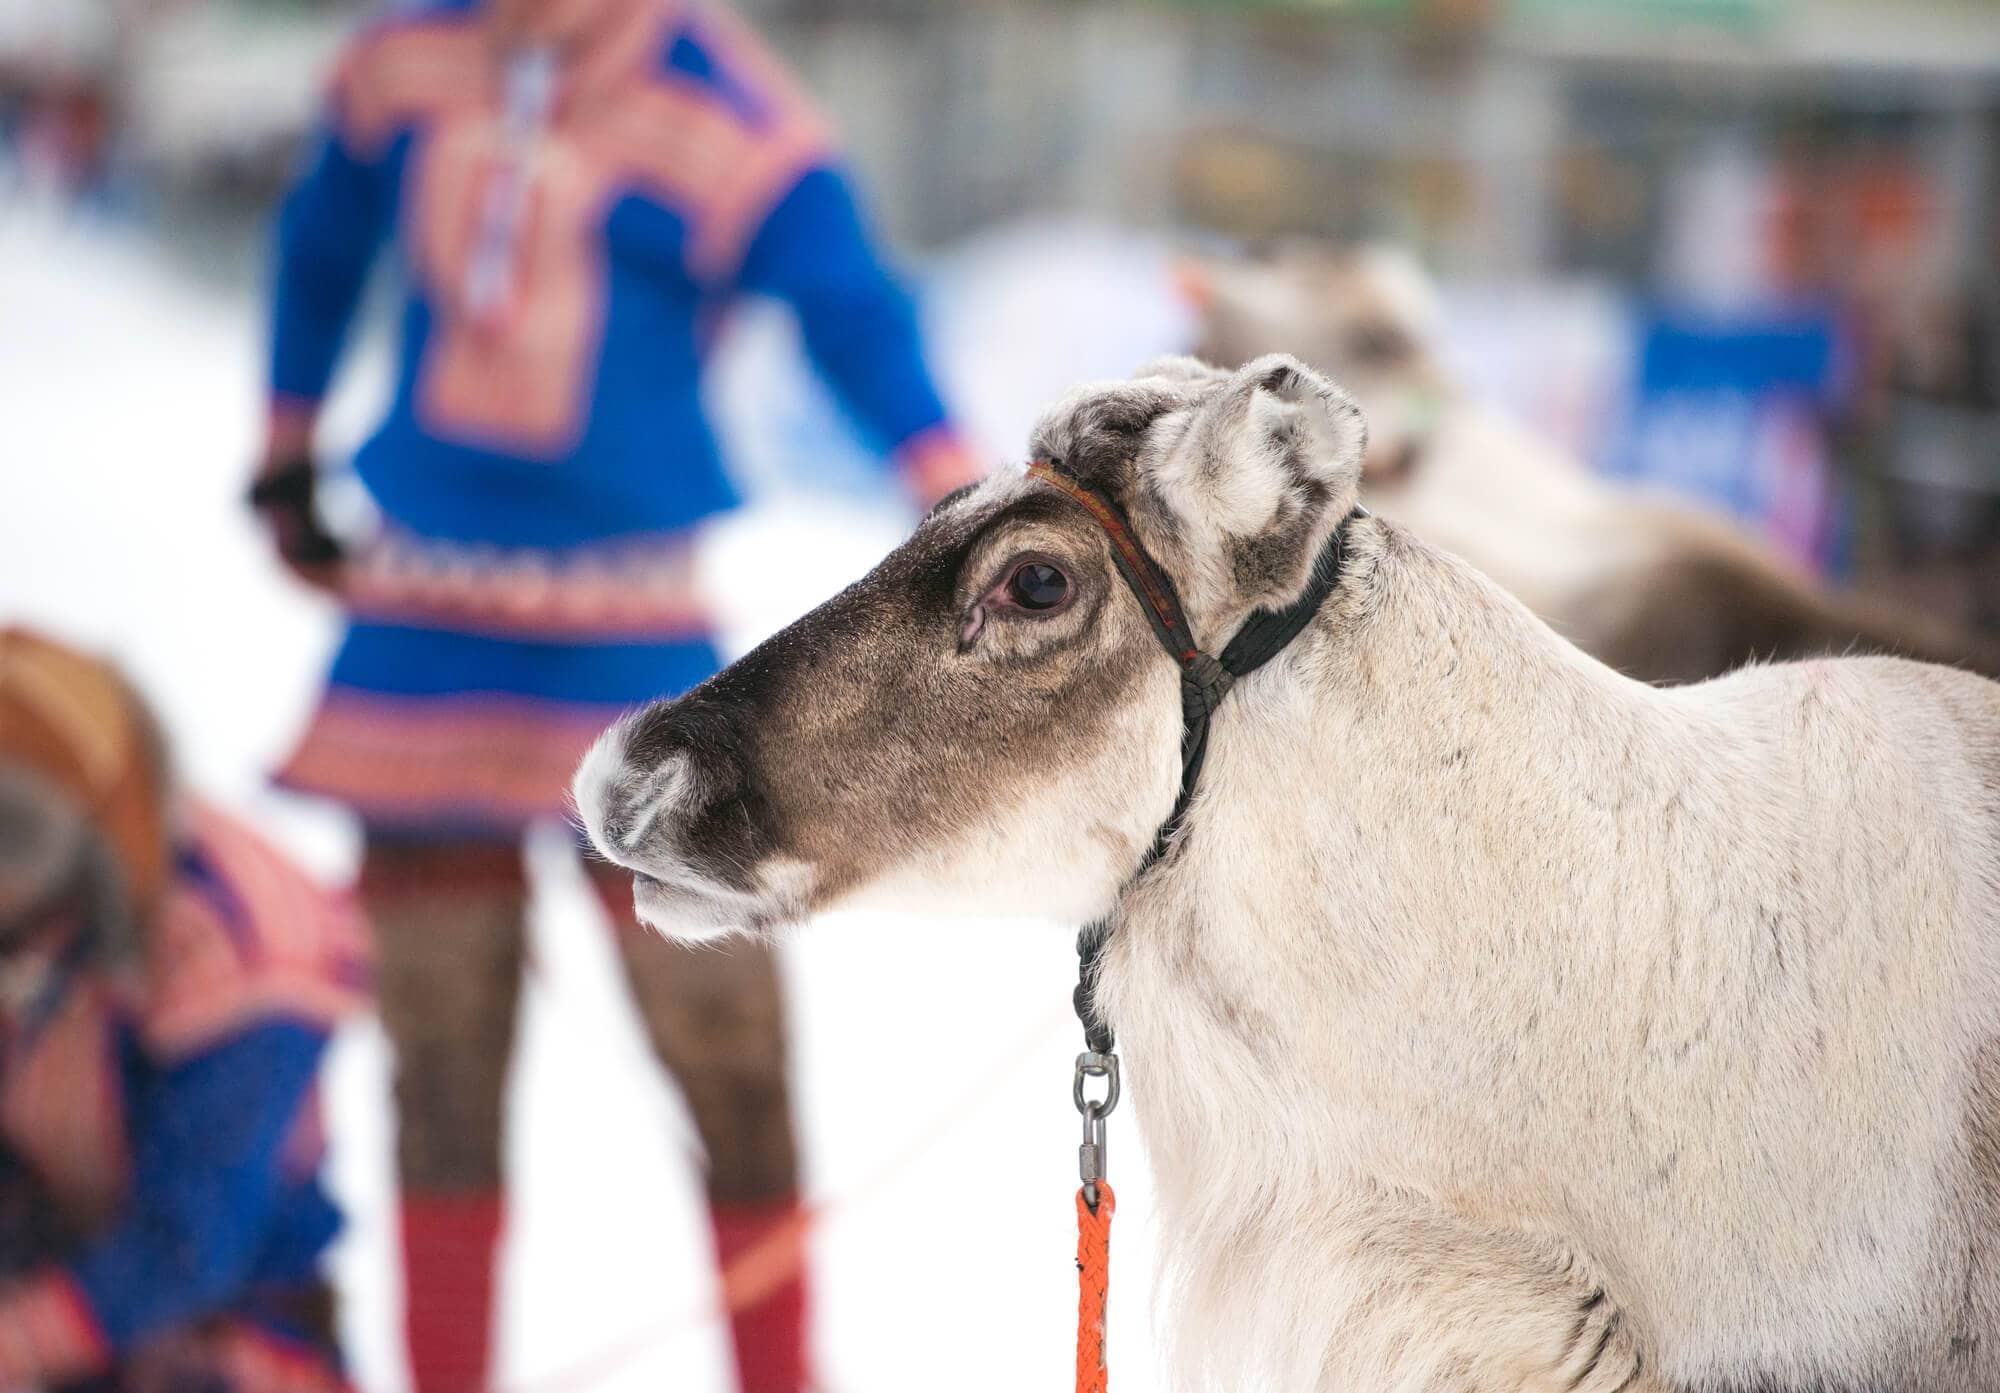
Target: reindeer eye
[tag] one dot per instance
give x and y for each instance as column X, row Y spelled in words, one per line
column 1037, row 585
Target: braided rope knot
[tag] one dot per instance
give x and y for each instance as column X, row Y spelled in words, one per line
column 1204, row 683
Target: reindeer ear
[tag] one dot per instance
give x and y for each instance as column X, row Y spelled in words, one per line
column 1309, row 427
column 1272, row 460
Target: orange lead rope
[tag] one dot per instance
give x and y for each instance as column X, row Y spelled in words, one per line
column 1094, row 1206
column 1093, row 1280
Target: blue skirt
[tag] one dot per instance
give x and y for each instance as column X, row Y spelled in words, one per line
column 471, row 683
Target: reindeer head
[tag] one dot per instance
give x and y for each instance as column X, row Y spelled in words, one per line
column 985, row 723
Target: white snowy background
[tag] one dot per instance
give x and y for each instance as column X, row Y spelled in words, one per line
column 932, row 1058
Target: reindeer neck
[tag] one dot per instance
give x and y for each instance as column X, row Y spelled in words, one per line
column 1422, row 685
column 1364, row 797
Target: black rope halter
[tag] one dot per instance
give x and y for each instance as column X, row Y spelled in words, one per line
column 1205, row 681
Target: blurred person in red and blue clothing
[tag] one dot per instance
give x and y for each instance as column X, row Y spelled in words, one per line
column 575, row 190
column 167, row 985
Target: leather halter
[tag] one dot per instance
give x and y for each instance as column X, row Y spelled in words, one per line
column 1205, row 679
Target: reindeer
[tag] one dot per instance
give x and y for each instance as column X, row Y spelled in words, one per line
column 1498, row 1022
column 1660, row 589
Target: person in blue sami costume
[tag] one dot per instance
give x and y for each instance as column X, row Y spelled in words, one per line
column 574, row 191
column 167, row 985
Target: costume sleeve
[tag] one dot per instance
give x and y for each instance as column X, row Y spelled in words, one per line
column 329, row 228
column 860, row 326
column 206, row 1179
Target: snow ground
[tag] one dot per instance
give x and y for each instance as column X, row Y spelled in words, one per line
column 933, row 1059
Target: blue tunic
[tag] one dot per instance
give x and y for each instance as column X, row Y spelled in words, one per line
column 567, row 228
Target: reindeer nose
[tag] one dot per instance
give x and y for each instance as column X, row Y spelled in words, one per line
column 644, row 798
column 625, row 805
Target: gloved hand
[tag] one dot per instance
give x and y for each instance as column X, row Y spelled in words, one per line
column 284, row 495
column 32, row 1231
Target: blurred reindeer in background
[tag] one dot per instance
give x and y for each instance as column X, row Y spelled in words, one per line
column 1661, row 589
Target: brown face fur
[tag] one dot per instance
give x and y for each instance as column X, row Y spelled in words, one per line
column 926, row 732
column 871, row 727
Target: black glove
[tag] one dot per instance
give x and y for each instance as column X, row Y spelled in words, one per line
column 32, row 1232
column 285, row 496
